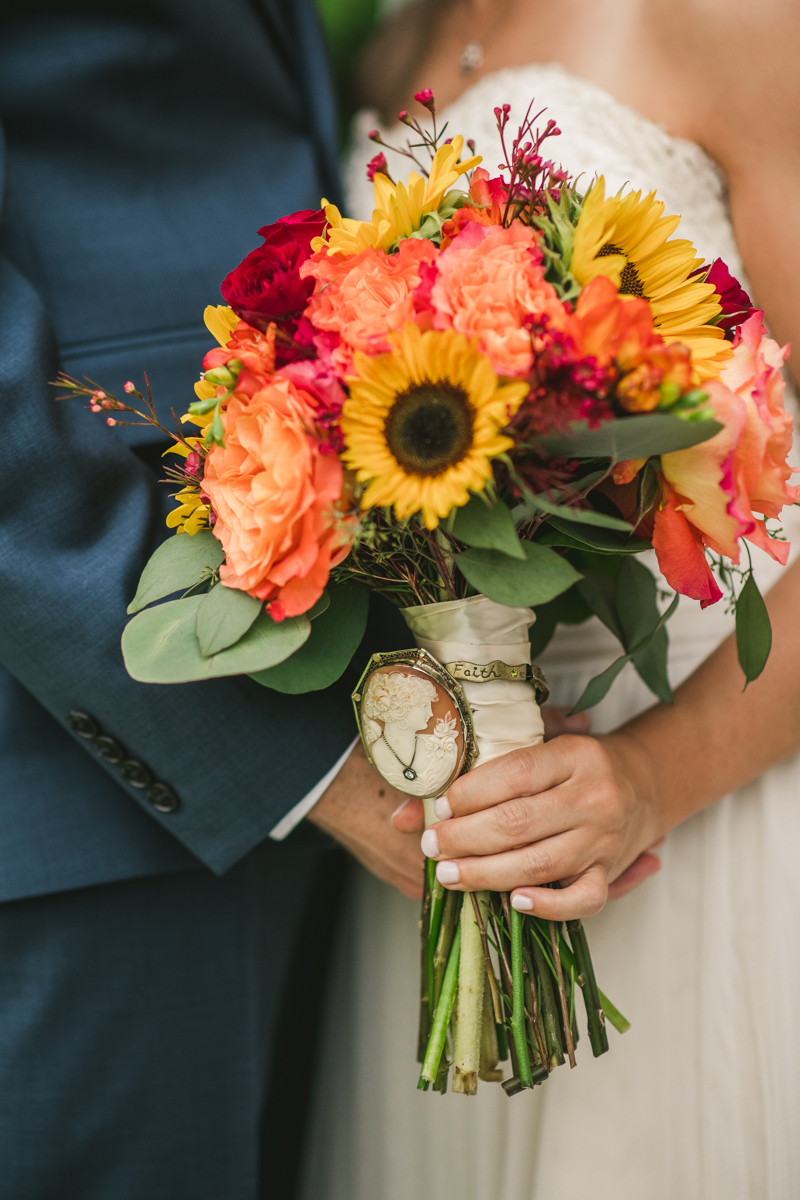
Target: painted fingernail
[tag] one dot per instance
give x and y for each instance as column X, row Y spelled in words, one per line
column 442, row 809
column 448, row 872
column 430, row 844
column 400, row 807
column 521, row 903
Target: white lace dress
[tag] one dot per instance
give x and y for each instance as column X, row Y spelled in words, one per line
column 700, row 1100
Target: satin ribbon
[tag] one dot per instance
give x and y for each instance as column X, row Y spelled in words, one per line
column 504, row 712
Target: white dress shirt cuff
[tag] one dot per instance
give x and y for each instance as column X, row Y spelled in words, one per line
column 304, row 806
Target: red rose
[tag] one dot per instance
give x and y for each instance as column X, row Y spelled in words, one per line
column 735, row 303
column 267, row 286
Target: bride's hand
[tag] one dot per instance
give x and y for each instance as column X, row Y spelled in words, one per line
column 580, row 810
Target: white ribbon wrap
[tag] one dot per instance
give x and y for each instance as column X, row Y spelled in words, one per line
column 504, row 712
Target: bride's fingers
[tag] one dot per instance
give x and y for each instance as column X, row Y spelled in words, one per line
column 639, row 870
column 557, row 720
column 506, row 826
column 543, row 862
column 525, row 772
column 584, row 897
column 409, row 816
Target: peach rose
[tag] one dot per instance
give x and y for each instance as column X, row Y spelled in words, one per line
column 364, row 296
column 274, row 494
column 716, row 489
column 489, row 280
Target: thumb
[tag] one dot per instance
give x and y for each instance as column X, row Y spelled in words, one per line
column 409, row 817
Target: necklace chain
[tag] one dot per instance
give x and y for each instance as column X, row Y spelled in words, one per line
column 408, row 768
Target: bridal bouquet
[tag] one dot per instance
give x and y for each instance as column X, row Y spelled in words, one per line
column 484, row 403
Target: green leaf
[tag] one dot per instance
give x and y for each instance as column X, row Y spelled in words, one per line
column 597, row 688
column 335, row 637
column 630, row 437
column 542, row 575
column 177, row 564
column 322, row 605
column 160, row 645
column 543, row 628
column 599, row 592
column 223, row 616
column 604, row 541
column 637, row 608
column 753, row 630
column 487, row 526
column 532, row 504
column 613, row 1015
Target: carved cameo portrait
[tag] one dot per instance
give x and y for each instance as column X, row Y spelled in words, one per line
column 412, row 726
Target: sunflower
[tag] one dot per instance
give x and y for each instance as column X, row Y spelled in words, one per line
column 399, row 210
column 627, row 239
column 423, row 422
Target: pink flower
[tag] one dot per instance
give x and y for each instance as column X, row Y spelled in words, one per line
column 724, row 486
column 377, row 166
column 489, row 280
column 735, row 303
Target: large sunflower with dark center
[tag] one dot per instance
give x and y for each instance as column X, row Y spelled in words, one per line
column 429, row 427
column 628, row 239
column 423, row 423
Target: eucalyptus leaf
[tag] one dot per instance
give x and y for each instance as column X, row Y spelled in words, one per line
column 599, row 592
column 223, row 616
column 335, row 637
column 177, row 565
column 637, row 607
column 603, row 541
column 540, row 577
column 160, row 645
column 630, row 437
column 651, row 665
column 597, row 688
column 529, row 508
column 322, row 605
column 753, row 630
column 487, row 525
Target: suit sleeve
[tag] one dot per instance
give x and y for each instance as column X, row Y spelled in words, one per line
column 79, row 517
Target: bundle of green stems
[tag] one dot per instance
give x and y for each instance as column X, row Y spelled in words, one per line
column 473, row 1020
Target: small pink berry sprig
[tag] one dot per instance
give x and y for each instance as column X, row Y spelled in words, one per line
column 428, row 141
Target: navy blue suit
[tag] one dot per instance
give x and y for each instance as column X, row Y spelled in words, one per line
column 147, row 925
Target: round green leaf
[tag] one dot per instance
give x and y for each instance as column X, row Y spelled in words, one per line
column 630, row 437
column 224, row 615
column 335, row 637
column 177, row 565
column 540, row 577
column 160, row 645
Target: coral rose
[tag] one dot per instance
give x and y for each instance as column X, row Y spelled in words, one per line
column 489, row 280
column 365, row 296
column 718, row 487
column 274, row 493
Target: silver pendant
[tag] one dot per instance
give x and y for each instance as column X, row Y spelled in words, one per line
column 471, row 58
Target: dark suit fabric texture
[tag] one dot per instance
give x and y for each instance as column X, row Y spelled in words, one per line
column 143, row 951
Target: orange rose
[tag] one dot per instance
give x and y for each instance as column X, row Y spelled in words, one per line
column 365, row 296
column 489, row 280
column 274, row 494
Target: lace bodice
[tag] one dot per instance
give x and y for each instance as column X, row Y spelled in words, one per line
column 599, row 135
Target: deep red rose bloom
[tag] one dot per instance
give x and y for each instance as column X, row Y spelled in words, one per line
column 267, row 286
column 735, row 303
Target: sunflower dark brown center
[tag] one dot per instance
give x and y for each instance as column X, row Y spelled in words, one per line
column 429, row 428
column 630, row 283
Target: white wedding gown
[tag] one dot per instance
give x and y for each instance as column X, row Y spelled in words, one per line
column 700, row 1100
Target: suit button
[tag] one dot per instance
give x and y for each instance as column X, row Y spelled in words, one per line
column 108, row 749
column 162, row 798
column 82, row 724
column 135, row 773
